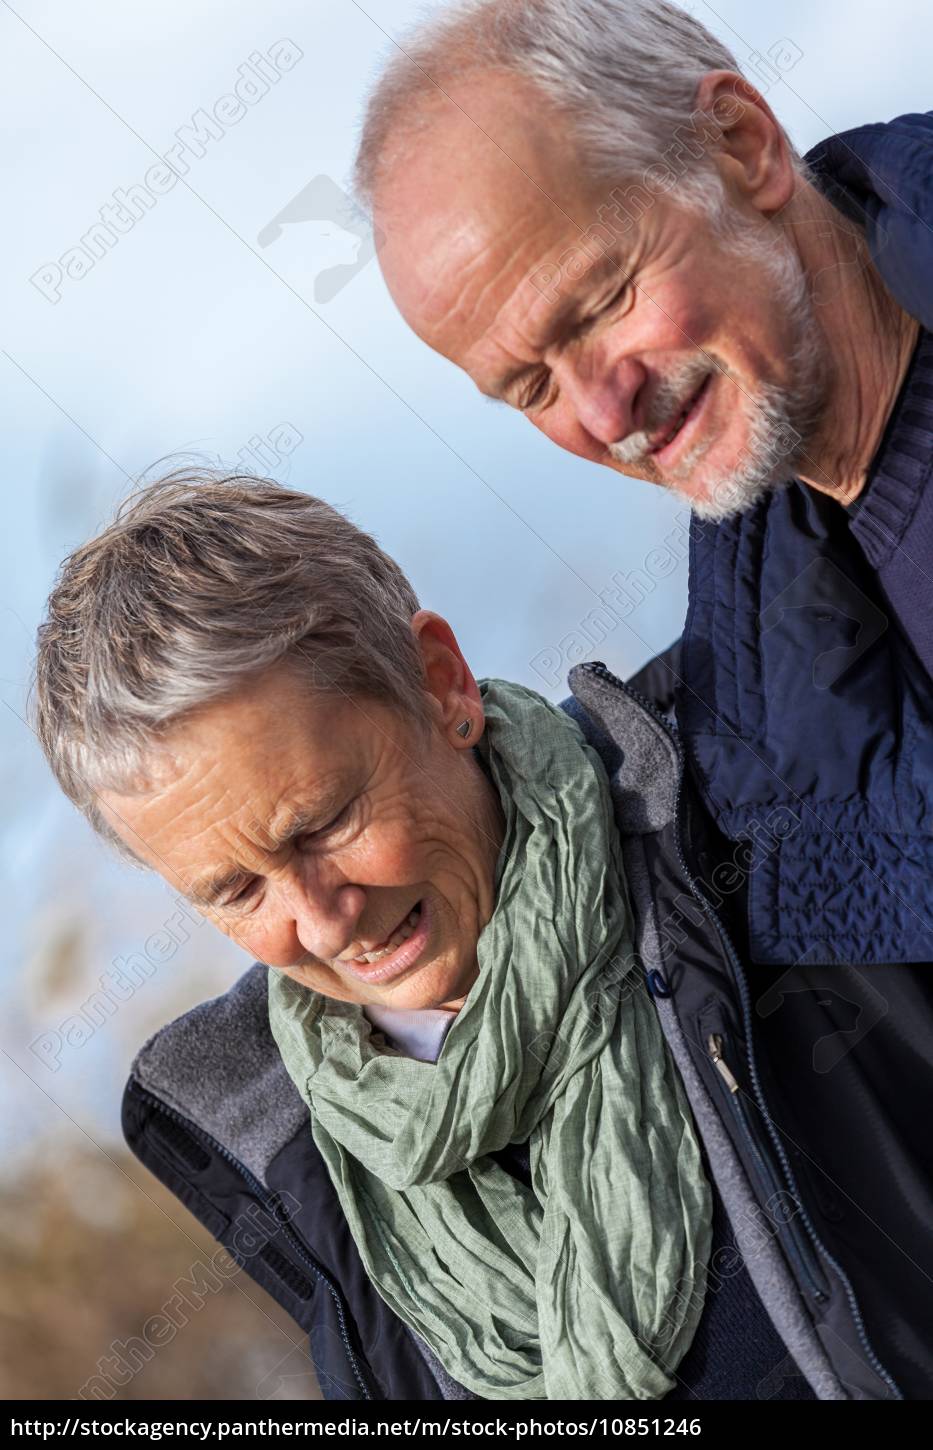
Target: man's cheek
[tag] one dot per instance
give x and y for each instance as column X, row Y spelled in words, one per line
column 570, row 435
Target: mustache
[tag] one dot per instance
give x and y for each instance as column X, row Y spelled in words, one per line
column 670, row 397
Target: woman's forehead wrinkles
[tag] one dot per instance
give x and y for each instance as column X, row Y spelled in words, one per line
column 313, row 811
column 288, row 822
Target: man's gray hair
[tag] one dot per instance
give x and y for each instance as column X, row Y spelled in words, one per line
column 203, row 581
column 624, row 72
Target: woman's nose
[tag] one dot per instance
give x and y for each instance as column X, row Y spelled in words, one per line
column 324, row 914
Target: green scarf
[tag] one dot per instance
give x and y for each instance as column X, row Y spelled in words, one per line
column 591, row 1286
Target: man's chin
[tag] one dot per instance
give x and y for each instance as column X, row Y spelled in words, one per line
column 729, row 497
column 711, row 501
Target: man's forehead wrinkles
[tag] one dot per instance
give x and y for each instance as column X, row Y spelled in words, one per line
column 478, row 277
column 517, row 248
column 555, row 274
column 478, row 264
column 527, row 323
column 460, row 304
column 454, row 250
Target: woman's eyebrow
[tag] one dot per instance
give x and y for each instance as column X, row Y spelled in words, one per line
column 211, row 886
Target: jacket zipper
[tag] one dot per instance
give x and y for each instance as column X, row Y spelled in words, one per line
column 271, row 1207
column 807, row 1264
column 741, row 983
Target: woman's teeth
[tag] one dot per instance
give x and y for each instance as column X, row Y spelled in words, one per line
column 401, row 933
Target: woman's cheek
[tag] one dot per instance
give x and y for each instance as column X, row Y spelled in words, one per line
column 394, row 857
column 324, row 980
column 271, row 941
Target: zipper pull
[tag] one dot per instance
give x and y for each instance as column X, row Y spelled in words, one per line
column 714, row 1042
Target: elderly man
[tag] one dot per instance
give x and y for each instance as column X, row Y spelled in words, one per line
column 586, row 208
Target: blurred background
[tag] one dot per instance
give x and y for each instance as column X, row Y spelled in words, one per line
column 239, row 315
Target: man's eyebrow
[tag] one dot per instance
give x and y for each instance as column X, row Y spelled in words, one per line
column 208, row 889
column 606, row 268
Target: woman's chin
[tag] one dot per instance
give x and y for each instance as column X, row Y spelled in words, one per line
column 436, row 985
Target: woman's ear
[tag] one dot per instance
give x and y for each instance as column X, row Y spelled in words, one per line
column 449, row 680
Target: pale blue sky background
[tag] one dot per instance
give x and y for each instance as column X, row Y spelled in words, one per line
column 190, row 336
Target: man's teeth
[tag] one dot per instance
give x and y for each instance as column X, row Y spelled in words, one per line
column 678, row 422
column 675, row 430
column 401, row 934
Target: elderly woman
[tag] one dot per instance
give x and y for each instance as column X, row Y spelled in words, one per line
column 239, row 689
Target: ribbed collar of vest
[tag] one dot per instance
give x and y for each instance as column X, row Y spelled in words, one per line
column 901, row 465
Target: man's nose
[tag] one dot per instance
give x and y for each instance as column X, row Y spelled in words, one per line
column 601, row 392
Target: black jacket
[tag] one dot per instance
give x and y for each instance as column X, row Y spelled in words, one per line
column 210, row 1109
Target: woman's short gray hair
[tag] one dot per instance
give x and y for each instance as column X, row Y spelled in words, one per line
column 624, row 72
column 203, row 581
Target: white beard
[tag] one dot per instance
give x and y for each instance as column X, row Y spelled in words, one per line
column 781, row 418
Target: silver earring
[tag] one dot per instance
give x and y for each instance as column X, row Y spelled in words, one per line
column 464, row 728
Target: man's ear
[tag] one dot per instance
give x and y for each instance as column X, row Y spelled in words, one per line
column 750, row 150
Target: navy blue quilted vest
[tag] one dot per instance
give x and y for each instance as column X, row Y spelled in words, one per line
column 805, row 712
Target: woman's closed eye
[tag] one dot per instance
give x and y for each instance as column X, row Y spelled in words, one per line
column 338, row 823
column 306, row 841
column 241, row 897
